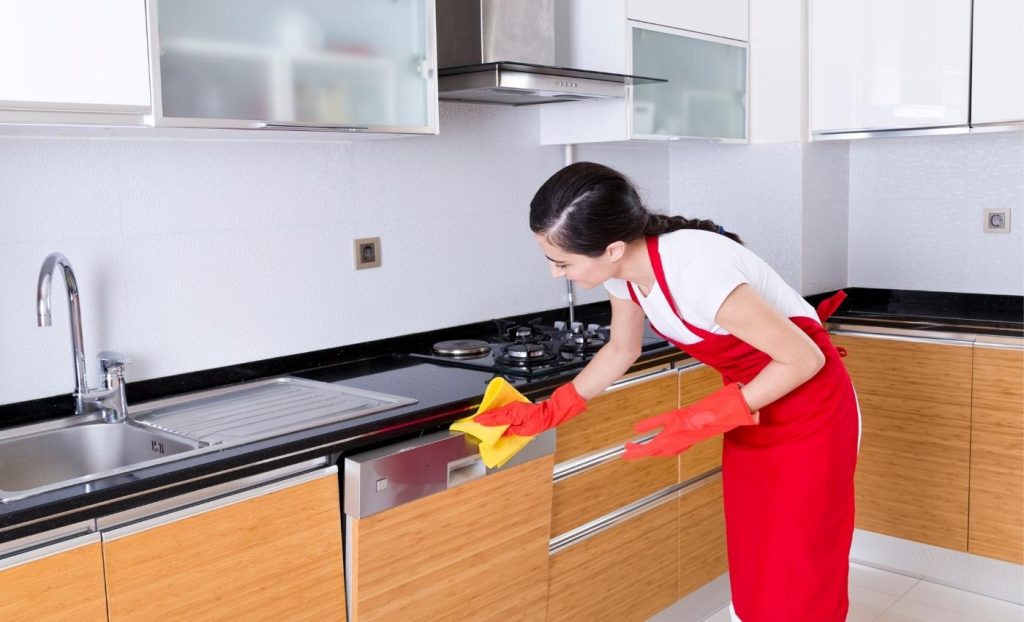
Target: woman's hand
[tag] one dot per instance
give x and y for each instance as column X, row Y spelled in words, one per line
column 719, row 412
column 525, row 419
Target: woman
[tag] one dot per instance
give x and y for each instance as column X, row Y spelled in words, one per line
column 788, row 408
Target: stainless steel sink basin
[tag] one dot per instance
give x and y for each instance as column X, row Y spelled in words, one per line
column 82, row 448
column 34, row 462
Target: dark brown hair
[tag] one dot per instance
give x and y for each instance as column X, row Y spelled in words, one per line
column 586, row 206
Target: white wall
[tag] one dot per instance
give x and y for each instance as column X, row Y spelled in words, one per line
column 194, row 254
column 825, row 217
column 754, row 190
column 916, row 213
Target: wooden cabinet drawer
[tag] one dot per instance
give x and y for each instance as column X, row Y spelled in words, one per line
column 603, row 489
column 696, row 383
column 702, row 553
column 913, row 468
column 997, row 455
column 626, row 574
column 58, row 586
column 610, row 417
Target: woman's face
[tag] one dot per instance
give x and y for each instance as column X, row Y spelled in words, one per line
column 586, row 272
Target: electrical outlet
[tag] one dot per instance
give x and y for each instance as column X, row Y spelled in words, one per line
column 997, row 221
column 367, row 253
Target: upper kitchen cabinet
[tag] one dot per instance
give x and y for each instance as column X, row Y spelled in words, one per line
column 724, row 18
column 295, row 64
column 997, row 64
column 884, row 65
column 705, row 95
column 67, row 61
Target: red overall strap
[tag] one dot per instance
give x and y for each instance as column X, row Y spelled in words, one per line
column 659, row 274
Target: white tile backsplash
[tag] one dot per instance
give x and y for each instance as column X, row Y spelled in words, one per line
column 193, row 254
column 916, row 213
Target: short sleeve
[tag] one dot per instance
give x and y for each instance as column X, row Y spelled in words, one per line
column 706, row 284
column 618, row 288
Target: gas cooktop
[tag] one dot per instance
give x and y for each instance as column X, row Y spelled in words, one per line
column 525, row 350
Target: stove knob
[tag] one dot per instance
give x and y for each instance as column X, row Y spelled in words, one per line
column 523, row 331
column 592, row 328
column 559, row 325
column 576, row 327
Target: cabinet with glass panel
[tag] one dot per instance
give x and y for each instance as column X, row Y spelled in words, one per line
column 704, row 97
column 295, row 64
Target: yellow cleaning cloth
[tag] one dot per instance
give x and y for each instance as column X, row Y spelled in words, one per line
column 495, row 449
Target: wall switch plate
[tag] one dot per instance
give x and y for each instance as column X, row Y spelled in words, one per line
column 997, row 221
column 367, row 252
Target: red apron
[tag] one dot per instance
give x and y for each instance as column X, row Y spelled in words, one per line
column 787, row 482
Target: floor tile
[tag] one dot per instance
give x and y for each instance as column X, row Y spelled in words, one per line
column 721, row 616
column 983, row 607
column 912, row 611
column 867, row 604
column 880, row 580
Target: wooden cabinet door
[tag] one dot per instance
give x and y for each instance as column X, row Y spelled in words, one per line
column 271, row 554
column 55, row 584
column 696, row 383
column 478, row 552
column 626, row 574
column 997, row 455
column 913, row 468
column 609, row 418
column 702, row 553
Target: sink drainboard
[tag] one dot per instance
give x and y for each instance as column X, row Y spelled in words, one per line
column 263, row 409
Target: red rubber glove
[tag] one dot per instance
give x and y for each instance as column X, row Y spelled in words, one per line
column 525, row 419
column 719, row 412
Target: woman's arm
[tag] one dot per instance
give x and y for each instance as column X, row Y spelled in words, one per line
column 795, row 357
column 621, row 351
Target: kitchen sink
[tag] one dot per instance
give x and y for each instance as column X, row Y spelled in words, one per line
column 75, row 453
column 82, row 448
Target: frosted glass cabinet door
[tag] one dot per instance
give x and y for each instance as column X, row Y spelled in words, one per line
column 889, row 64
column 997, row 68
column 74, row 55
column 320, row 63
column 706, row 92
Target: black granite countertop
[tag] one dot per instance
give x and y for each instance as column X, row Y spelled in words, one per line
column 443, row 394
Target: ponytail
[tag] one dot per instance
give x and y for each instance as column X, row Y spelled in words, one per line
column 658, row 224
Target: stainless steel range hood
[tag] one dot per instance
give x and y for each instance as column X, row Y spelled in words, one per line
column 503, row 52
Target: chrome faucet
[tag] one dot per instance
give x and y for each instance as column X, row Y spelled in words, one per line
column 109, row 399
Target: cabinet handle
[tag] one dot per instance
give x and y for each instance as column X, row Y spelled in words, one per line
column 465, row 470
column 162, row 512
column 315, row 127
column 45, row 550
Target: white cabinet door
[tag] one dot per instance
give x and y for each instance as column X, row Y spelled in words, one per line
column 889, row 64
column 706, row 92
column 71, row 55
column 997, row 80
column 338, row 63
column 723, row 18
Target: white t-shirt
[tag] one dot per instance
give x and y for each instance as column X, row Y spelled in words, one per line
column 701, row 270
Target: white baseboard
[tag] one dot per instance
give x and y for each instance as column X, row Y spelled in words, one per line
column 973, row 573
column 697, row 605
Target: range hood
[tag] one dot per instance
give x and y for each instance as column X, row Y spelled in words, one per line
column 503, row 52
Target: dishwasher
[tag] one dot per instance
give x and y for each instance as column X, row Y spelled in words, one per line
column 432, row 534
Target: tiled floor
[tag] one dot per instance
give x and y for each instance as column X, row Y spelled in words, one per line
column 880, row 596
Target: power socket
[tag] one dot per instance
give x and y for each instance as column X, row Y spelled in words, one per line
column 997, row 220
column 367, row 252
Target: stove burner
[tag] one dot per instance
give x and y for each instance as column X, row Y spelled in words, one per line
column 462, row 348
column 582, row 343
column 525, row 354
